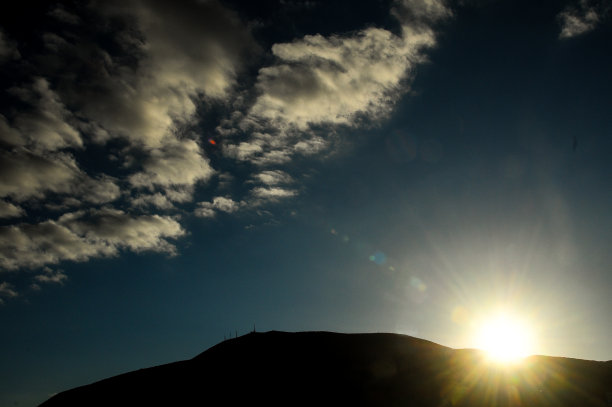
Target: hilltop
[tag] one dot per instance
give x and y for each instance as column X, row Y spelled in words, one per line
column 325, row 369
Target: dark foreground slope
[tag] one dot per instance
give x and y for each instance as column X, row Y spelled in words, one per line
column 330, row 369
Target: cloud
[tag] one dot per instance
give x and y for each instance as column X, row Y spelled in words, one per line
column 421, row 11
column 331, row 79
column 109, row 118
column 25, row 175
column 177, row 165
column 144, row 90
column 204, row 210
column 82, row 235
column 7, row 291
column 273, row 177
column 109, row 110
column 51, row 277
column 8, row 49
column 338, row 80
column 183, row 51
column 45, row 127
column 273, row 193
column 8, row 210
column 225, row 204
column 219, row 203
column 157, row 200
column 582, row 18
column 245, row 150
column 63, row 15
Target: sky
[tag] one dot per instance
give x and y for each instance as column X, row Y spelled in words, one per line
column 176, row 173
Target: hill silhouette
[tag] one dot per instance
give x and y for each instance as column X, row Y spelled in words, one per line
column 333, row 369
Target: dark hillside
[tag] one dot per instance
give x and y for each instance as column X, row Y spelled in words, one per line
column 322, row 368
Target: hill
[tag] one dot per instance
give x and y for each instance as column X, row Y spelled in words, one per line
column 332, row 369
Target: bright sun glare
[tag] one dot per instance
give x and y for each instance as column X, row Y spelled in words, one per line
column 505, row 338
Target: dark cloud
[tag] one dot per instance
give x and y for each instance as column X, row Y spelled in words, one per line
column 8, row 49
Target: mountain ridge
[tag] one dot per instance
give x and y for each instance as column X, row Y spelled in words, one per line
column 365, row 369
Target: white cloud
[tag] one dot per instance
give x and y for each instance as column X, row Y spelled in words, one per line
column 178, row 164
column 185, row 50
column 225, row 204
column 81, row 235
column 332, row 79
column 46, row 127
column 25, row 175
column 310, row 145
column 581, row 19
column 157, row 200
column 8, row 210
column 273, row 193
column 244, row 150
column 204, row 210
column 337, row 80
column 138, row 100
column 273, row 177
column 144, row 91
column 51, row 277
column 219, row 203
column 35, row 163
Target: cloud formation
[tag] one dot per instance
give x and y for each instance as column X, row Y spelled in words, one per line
column 7, row 290
column 581, row 18
column 109, row 139
column 337, row 80
column 81, row 235
column 124, row 79
column 48, row 276
column 8, row 210
column 219, row 203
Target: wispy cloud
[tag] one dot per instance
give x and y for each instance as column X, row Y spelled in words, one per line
column 337, row 80
column 48, row 276
column 81, row 235
column 7, row 290
column 8, row 49
column 581, row 18
column 273, row 193
column 273, row 177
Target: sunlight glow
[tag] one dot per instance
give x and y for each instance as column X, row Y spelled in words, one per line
column 505, row 338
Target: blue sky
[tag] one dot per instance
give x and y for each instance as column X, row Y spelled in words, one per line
column 172, row 174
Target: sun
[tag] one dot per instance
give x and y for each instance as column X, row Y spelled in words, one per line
column 505, row 338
